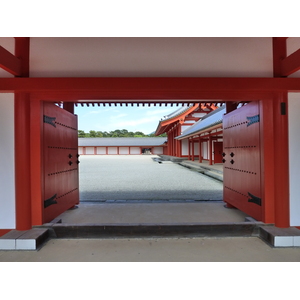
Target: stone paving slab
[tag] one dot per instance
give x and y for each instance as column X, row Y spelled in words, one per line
column 230, row 249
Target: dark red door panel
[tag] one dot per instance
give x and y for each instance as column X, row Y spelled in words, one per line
column 242, row 185
column 60, row 146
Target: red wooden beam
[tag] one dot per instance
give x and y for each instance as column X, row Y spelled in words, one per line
column 291, row 64
column 279, row 53
column 9, row 62
column 22, row 53
column 155, row 89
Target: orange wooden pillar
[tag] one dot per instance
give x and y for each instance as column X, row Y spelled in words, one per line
column 36, row 160
column 210, row 150
column 22, row 142
column 275, row 160
column 169, row 143
column 173, row 142
column 193, row 149
column 267, row 160
column 281, row 156
column 178, row 142
column 22, row 161
column 200, row 150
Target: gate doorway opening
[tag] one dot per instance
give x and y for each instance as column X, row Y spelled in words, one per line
column 117, row 194
column 120, row 177
column 233, row 186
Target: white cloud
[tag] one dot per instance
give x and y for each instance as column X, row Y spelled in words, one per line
column 118, row 116
column 136, row 122
column 160, row 112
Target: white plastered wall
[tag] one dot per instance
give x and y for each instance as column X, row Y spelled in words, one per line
column 7, row 163
column 196, row 148
column 80, row 150
column 101, row 150
column 150, row 57
column 158, row 150
column 294, row 158
column 112, row 150
column 89, row 150
column 135, row 150
column 185, row 147
column 205, row 149
column 124, row 150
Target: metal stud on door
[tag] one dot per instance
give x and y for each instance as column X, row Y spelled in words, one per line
column 60, row 146
column 241, row 157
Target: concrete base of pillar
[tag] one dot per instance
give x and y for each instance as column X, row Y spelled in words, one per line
column 24, row 240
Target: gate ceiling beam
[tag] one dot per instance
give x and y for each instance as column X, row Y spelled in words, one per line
column 171, row 89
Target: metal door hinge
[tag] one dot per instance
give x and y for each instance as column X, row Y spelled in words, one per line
column 254, row 199
column 252, row 120
column 50, row 120
column 50, row 201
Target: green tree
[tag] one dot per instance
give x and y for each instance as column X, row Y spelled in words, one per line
column 81, row 133
column 92, row 133
column 124, row 133
column 99, row 134
column 139, row 134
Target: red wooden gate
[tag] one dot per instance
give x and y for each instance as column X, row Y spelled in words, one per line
column 61, row 159
column 241, row 157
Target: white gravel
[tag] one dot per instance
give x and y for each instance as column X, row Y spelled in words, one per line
column 138, row 177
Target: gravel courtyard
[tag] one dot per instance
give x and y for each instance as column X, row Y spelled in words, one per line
column 128, row 177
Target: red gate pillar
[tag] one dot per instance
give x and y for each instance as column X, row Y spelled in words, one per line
column 36, row 138
column 22, row 142
column 267, row 160
column 22, row 161
column 281, row 164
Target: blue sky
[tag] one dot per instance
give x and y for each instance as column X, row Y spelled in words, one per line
column 136, row 118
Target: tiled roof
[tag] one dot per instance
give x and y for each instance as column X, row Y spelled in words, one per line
column 211, row 119
column 177, row 112
column 122, row 141
column 166, row 121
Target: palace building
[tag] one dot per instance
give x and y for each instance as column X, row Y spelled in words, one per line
column 122, row 146
column 195, row 132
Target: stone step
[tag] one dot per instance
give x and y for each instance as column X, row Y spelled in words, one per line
column 31, row 239
column 280, row 237
column 153, row 230
column 216, row 174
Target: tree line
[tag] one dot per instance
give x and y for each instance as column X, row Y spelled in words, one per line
column 115, row 133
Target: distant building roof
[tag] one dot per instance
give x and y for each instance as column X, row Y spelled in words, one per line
column 178, row 114
column 210, row 120
column 122, row 141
